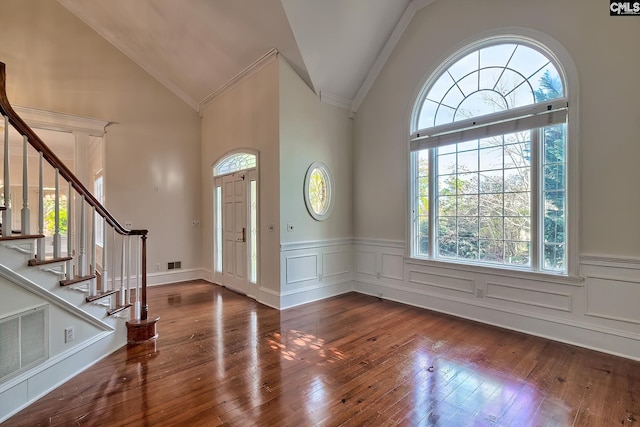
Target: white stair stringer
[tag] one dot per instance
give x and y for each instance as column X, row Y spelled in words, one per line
column 53, row 298
column 106, row 333
column 49, row 276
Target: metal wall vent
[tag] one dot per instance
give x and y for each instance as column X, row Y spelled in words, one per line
column 24, row 340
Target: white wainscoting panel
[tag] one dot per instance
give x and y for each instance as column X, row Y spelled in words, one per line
column 613, row 299
column 392, row 266
column 301, row 268
column 597, row 310
column 444, row 281
column 366, row 263
column 315, row 270
column 337, row 263
column 528, row 296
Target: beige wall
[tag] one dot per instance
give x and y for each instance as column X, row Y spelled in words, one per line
column 311, row 131
column 246, row 116
column 55, row 62
column 605, row 53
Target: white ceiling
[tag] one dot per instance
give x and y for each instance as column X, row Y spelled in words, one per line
column 195, row 47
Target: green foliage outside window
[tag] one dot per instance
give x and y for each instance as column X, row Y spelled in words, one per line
column 50, row 216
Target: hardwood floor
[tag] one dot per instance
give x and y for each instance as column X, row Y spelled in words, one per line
column 224, row 360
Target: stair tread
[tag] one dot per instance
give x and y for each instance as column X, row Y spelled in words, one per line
column 22, row 236
column 35, row 262
column 99, row 295
column 118, row 309
column 77, row 280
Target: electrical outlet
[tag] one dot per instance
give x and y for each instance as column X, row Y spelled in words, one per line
column 128, row 224
column 479, row 293
column 157, row 267
column 68, row 334
column 195, row 223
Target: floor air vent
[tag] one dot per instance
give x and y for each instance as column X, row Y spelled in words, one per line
column 23, row 340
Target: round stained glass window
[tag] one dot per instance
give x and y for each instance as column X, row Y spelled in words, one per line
column 317, row 191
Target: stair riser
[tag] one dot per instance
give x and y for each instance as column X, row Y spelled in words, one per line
column 17, row 261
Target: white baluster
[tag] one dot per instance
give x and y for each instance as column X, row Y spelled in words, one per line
column 70, row 223
column 26, row 215
column 56, row 233
column 92, row 269
column 104, row 278
column 81, row 242
column 113, row 258
column 40, row 243
column 6, row 214
column 128, row 270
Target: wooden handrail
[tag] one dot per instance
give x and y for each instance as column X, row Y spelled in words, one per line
column 53, row 160
column 7, row 110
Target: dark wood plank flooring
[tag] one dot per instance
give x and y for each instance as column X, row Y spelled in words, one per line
column 224, row 360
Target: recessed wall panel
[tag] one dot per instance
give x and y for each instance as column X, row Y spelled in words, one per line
column 614, row 299
column 366, row 262
column 335, row 263
column 301, row 268
column 528, row 296
column 455, row 283
column 392, row 266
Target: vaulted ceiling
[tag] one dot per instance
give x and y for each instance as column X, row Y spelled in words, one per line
column 195, row 47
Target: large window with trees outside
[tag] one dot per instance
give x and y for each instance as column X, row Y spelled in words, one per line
column 489, row 160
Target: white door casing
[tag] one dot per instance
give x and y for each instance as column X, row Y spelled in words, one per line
column 235, row 224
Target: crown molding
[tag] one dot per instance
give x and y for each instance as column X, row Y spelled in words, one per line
column 257, row 65
column 335, row 100
column 413, row 7
column 62, row 122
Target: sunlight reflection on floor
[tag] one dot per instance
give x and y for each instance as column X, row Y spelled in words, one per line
column 293, row 343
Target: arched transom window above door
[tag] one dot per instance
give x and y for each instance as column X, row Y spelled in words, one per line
column 235, row 162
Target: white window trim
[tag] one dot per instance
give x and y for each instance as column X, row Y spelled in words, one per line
column 560, row 56
column 326, row 173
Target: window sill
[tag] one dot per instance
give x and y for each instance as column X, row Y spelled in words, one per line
column 519, row 273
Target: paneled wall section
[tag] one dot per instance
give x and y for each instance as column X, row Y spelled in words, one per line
column 315, row 270
column 597, row 310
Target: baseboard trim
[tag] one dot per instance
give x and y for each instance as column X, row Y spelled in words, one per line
column 180, row 275
column 314, row 293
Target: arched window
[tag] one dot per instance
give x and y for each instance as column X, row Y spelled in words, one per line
column 234, row 163
column 489, row 159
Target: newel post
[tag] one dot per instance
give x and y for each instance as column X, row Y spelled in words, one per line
column 143, row 329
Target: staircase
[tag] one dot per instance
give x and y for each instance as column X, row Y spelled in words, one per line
column 67, row 258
